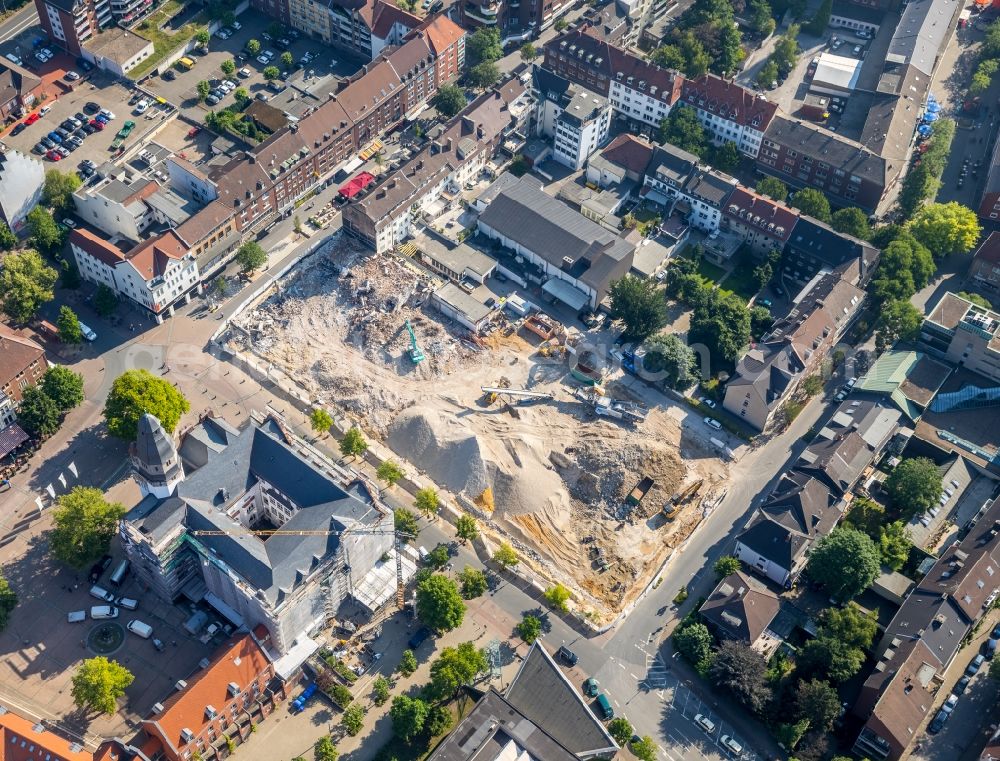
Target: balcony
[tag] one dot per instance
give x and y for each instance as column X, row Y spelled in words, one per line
column 486, row 16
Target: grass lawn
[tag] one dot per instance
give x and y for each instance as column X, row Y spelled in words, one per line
column 165, row 43
column 710, row 271
column 741, row 281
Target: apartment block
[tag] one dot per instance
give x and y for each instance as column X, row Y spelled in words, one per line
column 730, row 113
column 965, row 334
column 577, row 120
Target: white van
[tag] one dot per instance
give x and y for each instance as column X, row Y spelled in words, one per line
column 128, row 603
column 88, row 333
column 423, row 554
column 140, row 629
column 76, row 616
column 101, row 594
column 99, row 612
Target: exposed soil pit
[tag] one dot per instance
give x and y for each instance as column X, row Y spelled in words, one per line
column 551, row 475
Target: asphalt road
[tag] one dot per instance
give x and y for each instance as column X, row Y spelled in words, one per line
column 18, row 22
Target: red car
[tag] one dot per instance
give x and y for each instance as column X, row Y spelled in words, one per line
column 53, row 156
column 194, row 131
column 32, row 118
column 97, row 124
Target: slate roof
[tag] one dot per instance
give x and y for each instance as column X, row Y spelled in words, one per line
column 828, row 147
column 817, row 239
column 802, row 504
column 152, row 447
column 773, row 541
column 672, row 165
column 740, row 607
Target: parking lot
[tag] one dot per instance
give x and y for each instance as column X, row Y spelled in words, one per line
column 180, row 87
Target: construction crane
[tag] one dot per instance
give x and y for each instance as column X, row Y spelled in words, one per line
column 397, row 545
column 416, row 356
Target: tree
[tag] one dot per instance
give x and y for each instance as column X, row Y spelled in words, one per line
column 454, row 667
column 405, row 521
column 241, row 96
column 845, row 562
column 694, row 643
column 768, row 73
column 914, row 486
column 325, row 750
column 26, row 283
column 682, row 129
column 773, row 188
column 63, row 386
column 380, row 690
column 994, row 671
column 813, row 385
column 286, row 60
column 202, row 36
column 466, row 528
column 528, row 52
column 729, row 53
column 426, row 500
column 8, row 601
column 760, row 316
column 557, row 596
column 203, row 88
column 906, row 265
column 645, row 748
column 818, row 23
column 251, row 256
column 44, row 232
column 408, row 716
column 670, row 356
column 449, row 100
column 7, row 239
column 726, row 157
column 253, row 47
column 726, row 566
column 946, row 228
column 620, row 728
column 790, row 734
column 320, row 420
column 560, row 24
column 898, row 321
column 98, row 683
column 38, row 414
column 84, row 524
column 852, row 221
column 353, row 719
column 438, row 721
column 839, row 649
column 439, row 604
column 894, row 544
column 636, row 303
column 761, row 20
column 438, row 557
column 668, row 57
column 976, row 299
column 483, row 75
column 818, row 702
column 136, row 393
column 742, row 672
column 59, row 188
column 353, row 444
column 696, row 59
column 271, row 73
column 506, row 556
column 529, row 628
column 473, row 583
column 105, row 300
column 389, row 472
column 812, row 202
column 69, row 326
column 407, row 663
column 483, row 45
column 866, row 516
column 228, row 66
column 722, row 323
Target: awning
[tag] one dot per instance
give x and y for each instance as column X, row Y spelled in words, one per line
column 289, row 663
column 11, row 438
column 566, row 293
column 234, row 618
column 356, row 185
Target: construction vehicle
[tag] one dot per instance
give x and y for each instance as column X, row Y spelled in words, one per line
column 519, row 394
column 123, row 133
column 681, row 498
column 416, row 356
column 616, row 409
column 490, row 397
column 641, row 490
column 400, row 586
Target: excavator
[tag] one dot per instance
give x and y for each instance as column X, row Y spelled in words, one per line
column 416, row 355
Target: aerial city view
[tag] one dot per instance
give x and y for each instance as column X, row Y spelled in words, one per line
column 499, row 380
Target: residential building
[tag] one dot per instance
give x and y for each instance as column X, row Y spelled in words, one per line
column 198, row 540
column 814, row 247
column 446, row 40
column 117, row 50
column 984, row 271
column 20, row 90
column 804, row 155
column 728, row 112
column 223, row 700
column 541, row 715
column 515, row 20
column 741, row 609
column 22, row 179
column 576, row 259
column 576, row 119
column 856, row 17
column 364, row 27
column 155, row 274
column 624, row 159
column 610, row 22
column 764, row 225
column 72, row 22
column 966, row 335
column 24, row 739
column 116, row 205
column 675, row 180
column 22, row 364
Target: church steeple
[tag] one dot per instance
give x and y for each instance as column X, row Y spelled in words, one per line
column 154, row 458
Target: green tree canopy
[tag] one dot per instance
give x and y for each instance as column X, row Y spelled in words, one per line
column 7, row 238
column 353, row 444
column 320, row 420
column 852, row 221
column 694, row 643
column 620, row 728
column 761, row 21
column 839, row 649
column 454, row 667
column 473, row 583
column 483, row 45
column 726, row 157
column 389, row 472
column 722, row 323
column 59, row 188
column 682, row 129
column 353, row 718
column 8, row 601
column 845, row 561
column 438, row 721
column 438, row 557
column 726, row 565
column 203, row 88
column 427, row 501
column 669, row 355
column 894, row 544
column 271, row 73
column 253, row 47
column 786, row 51
column 228, row 66
column 202, row 36
column 69, row 326
column 325, row 750
column 405, row 521
column 251, row 256
column 466, row 528
column 866, row 516
column 638, row 305
column 407, row 663
column 773, row 188
column 558, row 597
column 483, row 75
column 528, row 52
column 380, row 690
column 98, row 683
column 506, row 556
column 768, row 74
column 44, row 232
column 83, row 525
column 529, row 628
column 812, row 202
column 105, row 300
column 286, row 60
column 898, row 321
column 439, row 604
column 63, row 386
column 26, row 283
column 818, row 702
column 449, row 100
column 668, row 57
column 914, row 486
column 408, row 716
column 136, row 393
column 37, row 413
column 906, row 265
column 946, row 228
column 976, row 299
column 741, row 671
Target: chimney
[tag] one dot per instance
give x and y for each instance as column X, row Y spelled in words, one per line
column 251, row 158
column 449, row 144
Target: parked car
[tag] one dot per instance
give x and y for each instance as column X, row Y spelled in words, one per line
column 18, row 129
column 140, row 628
column 567, row 656
column 97, row 124
column 962, row 684
column 53, row 155
column 99, row 612
column 55, row 137
column 170, row 75
column 76, row 616
column 950, row 703
column 711, row 422
column 39, row 149
column 129, row 603
column 591, row 688
column 212, row 99
column 32, row 118
column 72, row 76
column 731, row 744
column 418, row 638
column 91, row 108
column 975, row 664
column 245, row 72
column 705, row 723
column 140, row 107
column 938, row 723
column 101, row 593
column 707, row 402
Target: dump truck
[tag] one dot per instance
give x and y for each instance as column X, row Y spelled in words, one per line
column 630, row 412
column 641, row 489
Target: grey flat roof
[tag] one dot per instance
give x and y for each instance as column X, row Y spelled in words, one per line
column 457, row 258
column 921, row 32
column 462, row 302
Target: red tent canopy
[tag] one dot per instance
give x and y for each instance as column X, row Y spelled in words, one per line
column 356, row 185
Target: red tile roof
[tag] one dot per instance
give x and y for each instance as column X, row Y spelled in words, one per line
column 384, row 15
column 730, row 101
column 150, row 258
column 756, row 211
column 442, row 33
column 102, row 250
column 38, row 743
column 629, row 151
